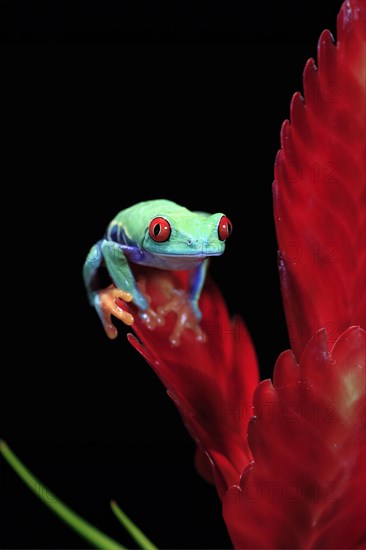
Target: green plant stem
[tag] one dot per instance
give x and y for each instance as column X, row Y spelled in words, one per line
column 90, row 533
column 133, row 530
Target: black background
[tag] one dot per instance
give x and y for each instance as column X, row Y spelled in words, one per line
column 108, row 104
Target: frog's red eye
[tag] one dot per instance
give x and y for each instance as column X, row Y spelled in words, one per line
column 159, row 230
column 225, row 228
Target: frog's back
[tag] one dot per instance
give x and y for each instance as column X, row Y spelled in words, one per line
column 149, row 209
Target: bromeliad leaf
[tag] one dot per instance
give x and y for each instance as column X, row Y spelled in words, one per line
column 320, row 191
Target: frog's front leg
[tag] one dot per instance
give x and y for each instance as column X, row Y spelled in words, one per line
column 127, row 290
column 196, row 283
column 105, row 300
column 120, row 272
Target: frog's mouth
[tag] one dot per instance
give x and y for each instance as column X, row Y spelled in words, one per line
column 180, row 261
column 170, row 261
column 202, row 254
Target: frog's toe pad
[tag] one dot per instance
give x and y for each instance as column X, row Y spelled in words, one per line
column 106, row 304
column 151, row 318
column 187, row 314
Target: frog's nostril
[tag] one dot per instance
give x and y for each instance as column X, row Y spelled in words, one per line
column 189, row 242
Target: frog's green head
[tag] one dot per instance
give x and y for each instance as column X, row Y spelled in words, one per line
column 181, row 233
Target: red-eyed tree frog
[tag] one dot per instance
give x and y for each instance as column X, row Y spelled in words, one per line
column 159, row 234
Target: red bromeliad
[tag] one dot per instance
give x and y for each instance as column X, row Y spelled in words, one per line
column 290, row 465
column 206, row 380
column 319, row 188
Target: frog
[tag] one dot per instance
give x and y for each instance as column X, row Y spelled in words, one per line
column 160, row 234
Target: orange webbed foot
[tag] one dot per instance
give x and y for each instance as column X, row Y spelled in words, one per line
column 176, row 301
column 107, row 306
column 180, row 304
